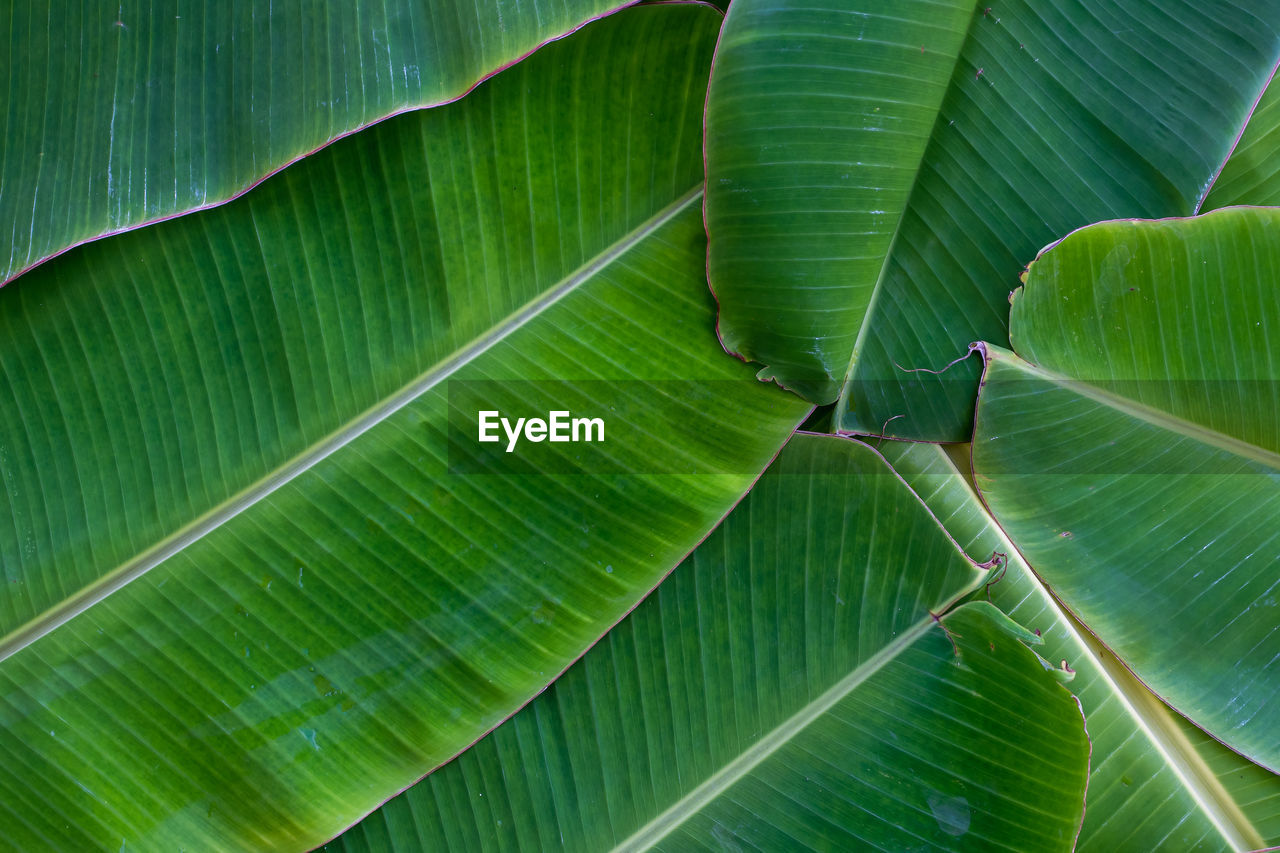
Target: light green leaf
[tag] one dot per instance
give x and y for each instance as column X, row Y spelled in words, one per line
column 1155, row 781
column 1252, row 174
column 879, row 174
column 252, row 587
column 1134, row 455
column 787, row 688
column 119, row 114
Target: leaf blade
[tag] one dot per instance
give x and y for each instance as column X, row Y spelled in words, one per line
column 283, row 673
column 795, row 69
column 776, row 689
column 1050, row 121
column 1155, row 781
column 185, row 111
column 1173, row 338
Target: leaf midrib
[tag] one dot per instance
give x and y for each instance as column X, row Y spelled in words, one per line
column 1148, row 414
column 878, row 288
column 1147, row 710
column 688, row 805
column 715, row 785
column 263, row 487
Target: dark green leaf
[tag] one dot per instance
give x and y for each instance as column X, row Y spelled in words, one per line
column 118, row 114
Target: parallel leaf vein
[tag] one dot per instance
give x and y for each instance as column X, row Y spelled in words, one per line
column 253, row 494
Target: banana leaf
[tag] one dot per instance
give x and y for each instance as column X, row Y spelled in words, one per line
column 118, row 115
column 1131, row 450
column 806, row 680
column 253, row 582
column 880, row 173
column 1156, row 782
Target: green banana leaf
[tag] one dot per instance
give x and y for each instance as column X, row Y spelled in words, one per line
column 1155, row 781
column 1131, row 450
column 787, row 688
column 880, row 173
column 1252, row 174
column 252, row 586
column 117, row 115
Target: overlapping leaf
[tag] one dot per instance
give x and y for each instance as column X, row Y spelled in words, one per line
column 1252, row 174
column 118, row 114
column 251, row 586
column 1134, row 455
column 879, row 175
column 1155, row 781
column 788, row 687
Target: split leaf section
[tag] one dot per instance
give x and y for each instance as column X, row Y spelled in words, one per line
column 878, row 177
column 788, row 687
column 252, row 587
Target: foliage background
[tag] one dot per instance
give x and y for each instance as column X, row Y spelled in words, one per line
column 247, row 598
